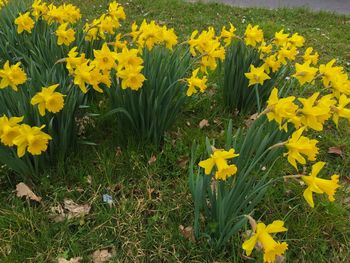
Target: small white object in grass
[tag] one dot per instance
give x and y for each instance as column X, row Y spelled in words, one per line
column 287, row 78
column 243, row 20
column 107, row 199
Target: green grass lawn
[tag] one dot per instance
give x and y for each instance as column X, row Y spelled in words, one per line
column 151, row 200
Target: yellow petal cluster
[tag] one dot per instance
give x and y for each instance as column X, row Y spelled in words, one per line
column 219, row 159
column 48, row 99
column 318, row 185
column 12, row 76
column 271, row 247
column 24, row 23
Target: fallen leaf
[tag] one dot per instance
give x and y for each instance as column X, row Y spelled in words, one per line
column 248, row 122
column 203, row 123
column 337, row 150
column 75, row 210
column 188, row 123
column 152, row 159
column 102, row 255
column 72, row 260
column 118, row 151
column 23, row 190
column 187, row 232
column 182, row 161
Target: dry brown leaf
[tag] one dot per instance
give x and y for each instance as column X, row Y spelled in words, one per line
column 248, row 122
column 187, row 232
column 118, row 151
column 252, row 222
column 203, row 123
column 102, row 255
column 72, row 260
column 24, row 191
column 337, row 150
column 75, row 210
column 152, row 159
column 182, row 161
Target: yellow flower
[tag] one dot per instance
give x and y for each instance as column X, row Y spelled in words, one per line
column 314, row 114
column 330, row 73
column 39, row 8
column 128, row 58
column 9, row 129
column 318, row 185
column 48, row 100
column 262, row 234
column 219, row 159
column 169, row 37
column 281, row 110
column 298, row 145
column 24, row 23
column 31, row 139
column 272, row 63
column 194, row 81
column 264, row 49
column 256, row 75
column 116, row 11
column 281, row 38
column 118, row 43
column 228, row 35
column 287, row 52
column 304, row 73
column 73, row 60
column 131, row 78
column 105, row 58
column 65, row 36
column 340, row 111
column 12, row 76
column 253, row 35
column 3, row 3
column 311, row 58
column 82, row 75
column 296, row 40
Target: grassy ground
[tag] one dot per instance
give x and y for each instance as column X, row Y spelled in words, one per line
column 152, row 200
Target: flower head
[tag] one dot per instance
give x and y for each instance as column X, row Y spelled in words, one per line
column 65, row 36
column 219, row 159
column 228, row 35
column 31, row 139
column 9, row 129
column 262, row 234
column 298, row 146
column 105, row 58
column 253, row 35
column 311, row 58
column 12, row 76
column 24, row 23
column 304, row 73
column 318, row 185
column 256, row 75
column 195, row 82
column 48, row 100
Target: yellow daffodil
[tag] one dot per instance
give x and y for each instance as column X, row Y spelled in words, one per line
column 315, row 113
column 281, row 110
column 228, row 35
column 287, row 53
column 131, row 78
column 3, row 3
column 298, row 146
column 329, row 72
column 296, row 40
column 48, row 99
column 9, row 129
column 281, row 38
column 195, row 82
column 256, row 75
column 82, row 75
column 12, row 76
column 264, row 49
column 304, row 73
column 318, row 185
column 262, row 234
column 31, row 139
column 311, row 58
column 271, row 63
column 128, row 58
column 253, row 35
column 118, row 43
column 24, row 23
column 65, row 36
column 105, row 58
column 73, row 60
column 39, row 8
column 219, row 159
column 116, row 11
column 339, row 111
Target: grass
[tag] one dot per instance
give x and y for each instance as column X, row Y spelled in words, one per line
column 152, row 200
